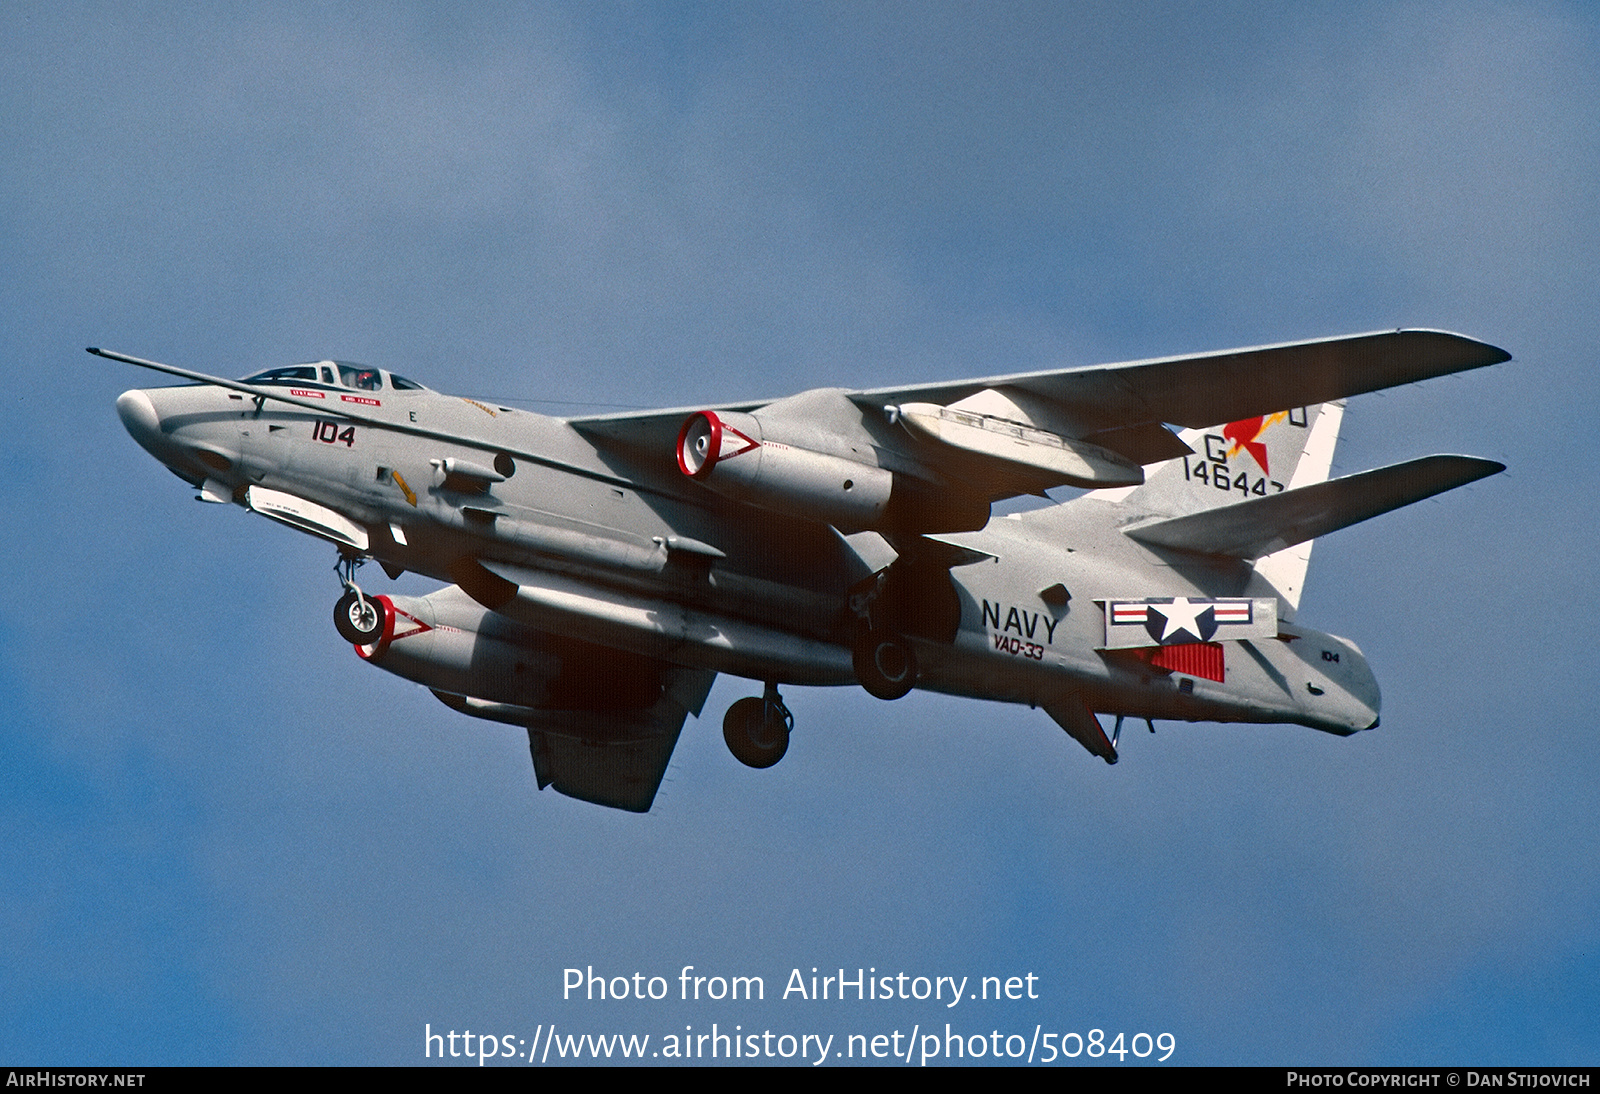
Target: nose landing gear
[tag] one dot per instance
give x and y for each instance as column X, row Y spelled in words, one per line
column 757, row 730
column 358, row 620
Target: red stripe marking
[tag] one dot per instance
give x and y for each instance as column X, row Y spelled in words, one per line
column 1203, row 659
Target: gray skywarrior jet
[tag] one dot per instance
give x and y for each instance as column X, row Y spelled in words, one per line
column 602, row 570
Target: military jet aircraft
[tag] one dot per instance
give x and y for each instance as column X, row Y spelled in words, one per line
column 602, row 570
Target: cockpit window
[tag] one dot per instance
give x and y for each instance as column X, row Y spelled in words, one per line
column 334, row 374
column 280, row 377
column 360, row 377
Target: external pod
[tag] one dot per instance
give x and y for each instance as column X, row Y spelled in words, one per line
column 729, row 453
column 452, row 647
column 449, row 643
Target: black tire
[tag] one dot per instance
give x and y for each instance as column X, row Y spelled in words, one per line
column 757, row 732
column 358, row 620
column 885, row 664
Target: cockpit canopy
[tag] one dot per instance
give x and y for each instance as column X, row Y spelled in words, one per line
column 338, row 374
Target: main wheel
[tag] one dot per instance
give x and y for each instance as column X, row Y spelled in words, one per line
column 885, row 664
column 757, row 731
column 359, row 620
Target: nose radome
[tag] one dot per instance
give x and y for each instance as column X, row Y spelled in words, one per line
column 139, row 417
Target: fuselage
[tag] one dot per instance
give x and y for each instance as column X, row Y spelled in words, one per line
column 529, row 516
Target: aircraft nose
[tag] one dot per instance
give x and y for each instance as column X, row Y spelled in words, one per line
column 138, row 414
column 139, row 418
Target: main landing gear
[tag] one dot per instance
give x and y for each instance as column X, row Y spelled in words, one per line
column 757, row 730
column 886, row 606
column 358, row 620
column 884, row 663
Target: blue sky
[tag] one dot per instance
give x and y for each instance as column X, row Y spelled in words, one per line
column 228, row 841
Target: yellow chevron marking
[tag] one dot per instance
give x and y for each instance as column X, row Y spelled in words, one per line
column 404, row 489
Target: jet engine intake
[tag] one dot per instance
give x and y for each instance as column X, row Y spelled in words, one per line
column 729, row 453
column 451, row 644
column 734, row 455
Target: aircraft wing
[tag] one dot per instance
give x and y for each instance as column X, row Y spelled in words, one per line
column 1121, row 408
column 615, row 758
column 1228, row 385
column 608, row 759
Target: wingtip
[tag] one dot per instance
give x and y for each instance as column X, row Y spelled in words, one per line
column 1483, row 468
column 1484, row 354
column 1467, row 469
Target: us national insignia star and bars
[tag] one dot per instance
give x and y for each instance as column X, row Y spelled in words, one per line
column 1174, row 621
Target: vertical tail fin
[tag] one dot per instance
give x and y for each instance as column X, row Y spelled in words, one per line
column 1238, row 461
column 1284, row 573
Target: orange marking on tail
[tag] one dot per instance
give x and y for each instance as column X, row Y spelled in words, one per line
column 1245, row 433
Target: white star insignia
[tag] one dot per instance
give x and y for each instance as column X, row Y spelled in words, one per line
column 1182, row 615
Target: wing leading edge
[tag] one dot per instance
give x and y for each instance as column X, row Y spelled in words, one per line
column 1119, row 407
column 1203, row 389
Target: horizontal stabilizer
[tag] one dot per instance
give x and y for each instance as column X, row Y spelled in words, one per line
column 1251, row 529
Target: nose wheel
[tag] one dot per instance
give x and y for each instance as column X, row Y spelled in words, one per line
column 757, row 730
column 358, row 619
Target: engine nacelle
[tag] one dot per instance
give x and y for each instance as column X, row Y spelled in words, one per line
column 733, row 454
column 729, row 453
column 448, row 642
